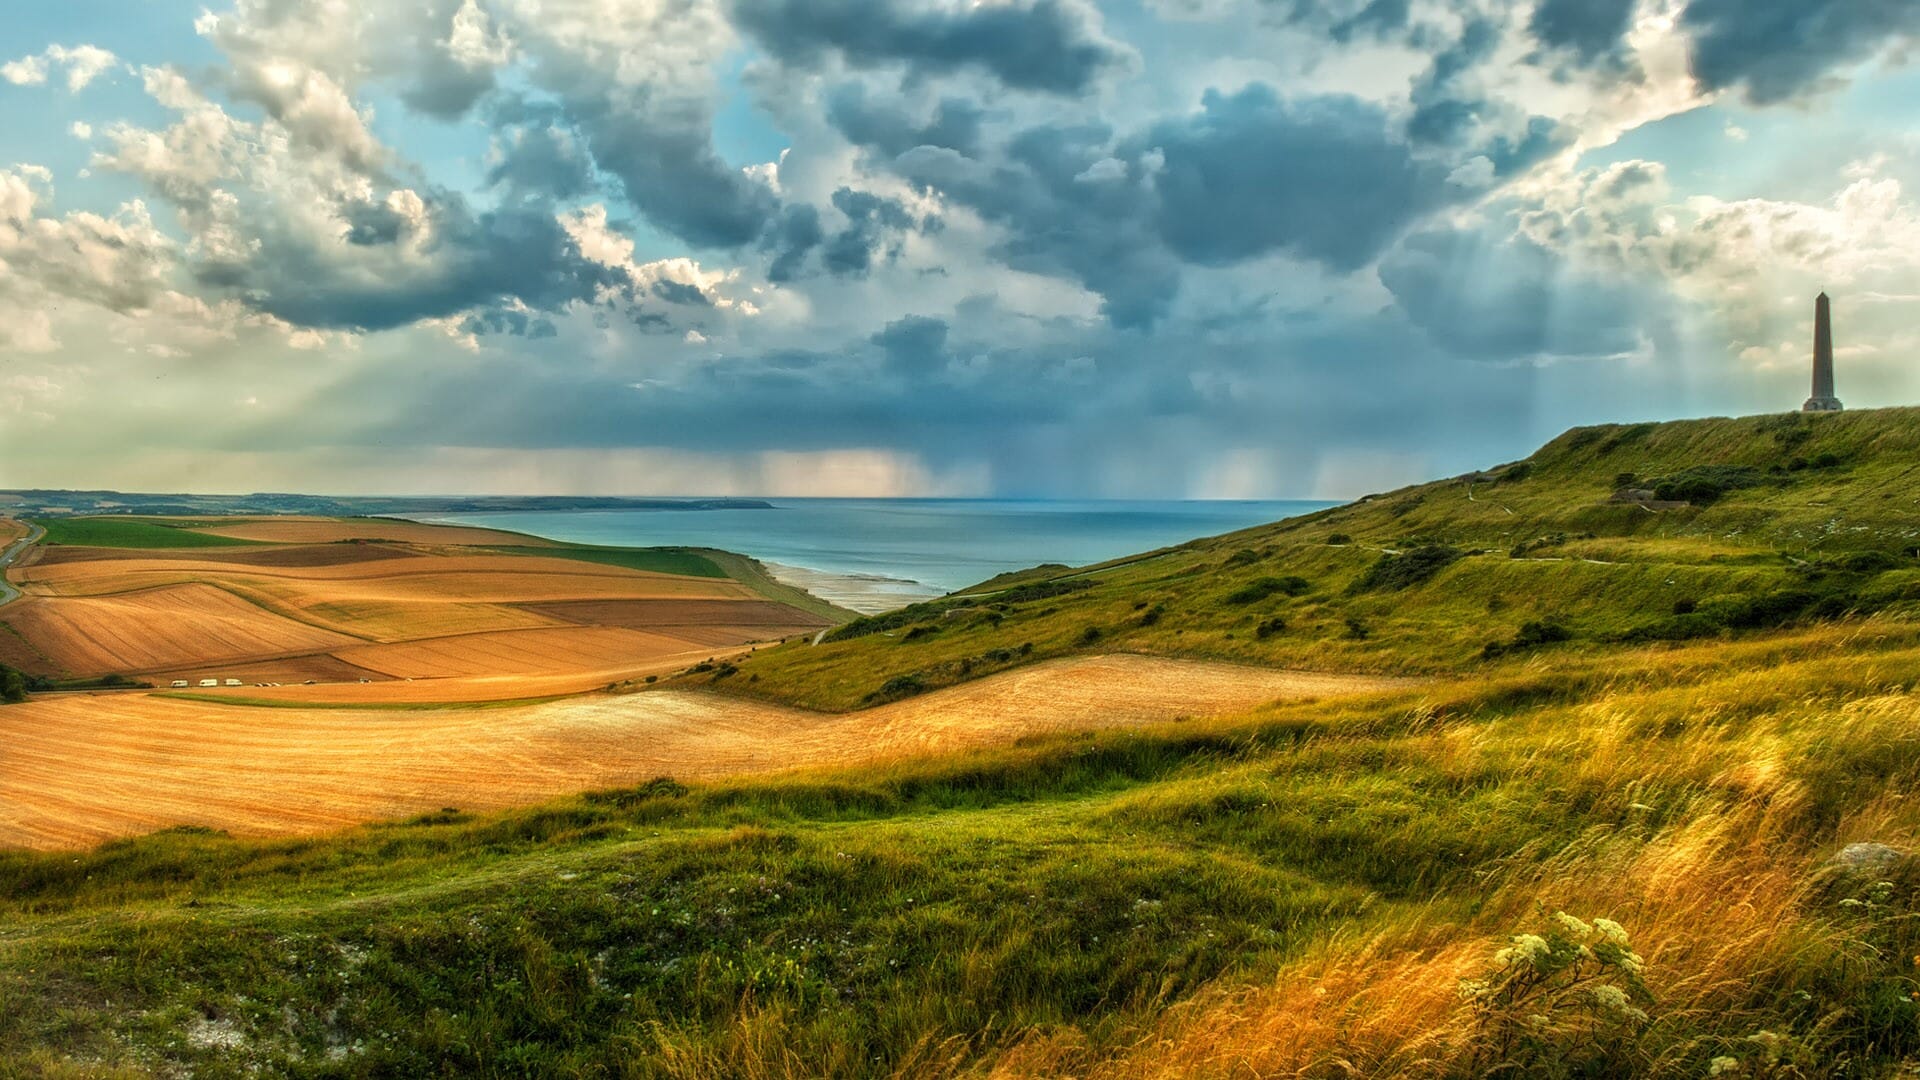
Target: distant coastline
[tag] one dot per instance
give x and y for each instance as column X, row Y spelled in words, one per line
column 56, row 502
column 872, row 555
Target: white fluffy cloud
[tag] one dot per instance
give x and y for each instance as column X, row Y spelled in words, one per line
column 82, row 64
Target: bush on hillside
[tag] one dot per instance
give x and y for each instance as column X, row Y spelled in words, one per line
column 1414, row 567
column 13, row 686
column 1337, row 539
column 1702, row 485
column 1531, row 635
column 1260, row 589
column 899, row 686
column 1043, row 590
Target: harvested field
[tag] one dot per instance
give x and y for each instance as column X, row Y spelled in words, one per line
column 302, row 530
column 79, row 769
column 552, row 651
column 17, row 652
column 467, row 619
column 289, row 671
column 156, row 628
column 495, row 578
column 649, row 614
column 296, row 555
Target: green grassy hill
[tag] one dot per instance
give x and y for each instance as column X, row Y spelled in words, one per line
column 1607, row 535
column 1613, row 855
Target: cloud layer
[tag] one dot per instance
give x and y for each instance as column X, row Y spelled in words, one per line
column 1026, row 246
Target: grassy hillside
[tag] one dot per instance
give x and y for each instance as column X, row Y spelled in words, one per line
column 1625, row 853
column 1305, row 886
column 1607, row 535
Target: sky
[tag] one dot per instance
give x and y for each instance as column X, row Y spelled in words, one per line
column 1021, row 248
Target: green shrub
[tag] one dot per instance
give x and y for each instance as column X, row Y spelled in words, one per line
column 1339, row 538
column 1703, row 485
column 1088, row 636
column 1532, row 635
column 13, row 686
column 1270, row 627
column 900, row 686
column 1256, row 591
column 1403, row 571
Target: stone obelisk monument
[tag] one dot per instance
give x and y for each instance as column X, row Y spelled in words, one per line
column 1822, row 399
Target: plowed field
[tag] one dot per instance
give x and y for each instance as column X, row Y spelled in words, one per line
column 551, row 651
column 169, row 626
column 76, row 770
column 420, row 604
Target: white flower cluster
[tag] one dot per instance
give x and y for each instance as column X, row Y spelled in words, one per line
column 1526, row 949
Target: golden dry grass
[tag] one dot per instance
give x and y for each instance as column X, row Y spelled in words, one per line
column 82, row 768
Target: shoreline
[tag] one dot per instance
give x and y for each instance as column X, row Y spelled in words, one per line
column 868, row 594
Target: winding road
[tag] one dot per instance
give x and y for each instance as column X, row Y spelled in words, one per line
column 8, row 594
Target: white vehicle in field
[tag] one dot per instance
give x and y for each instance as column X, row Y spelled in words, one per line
column 209, row 682
column 179, row 683
column 235, row 682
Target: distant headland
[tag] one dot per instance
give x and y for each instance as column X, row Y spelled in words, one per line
column 51, row 502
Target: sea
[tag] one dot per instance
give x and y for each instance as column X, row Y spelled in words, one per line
column 873, row 555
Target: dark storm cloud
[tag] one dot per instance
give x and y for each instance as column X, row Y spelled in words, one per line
column 1379, row 19
column 680, row 292
column 792, row 239
column 1053, row 46
column 874, row 227
column 1249, row 174
column 673, row 176
column 444, row 88
column 469, row 261
column 509, row 322
column 1499, row 299
column 915, row 343
column 873, row 223
column 541, row 159
column 1061, row 217
column 1776, row 50
column 659, row 145
column 891, row 130
column 1133, row 422
column 1449, row 111
column 1321, row 179
column 1591, row 30
column 1442, row 114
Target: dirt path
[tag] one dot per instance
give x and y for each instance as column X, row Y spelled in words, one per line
column 84, row 768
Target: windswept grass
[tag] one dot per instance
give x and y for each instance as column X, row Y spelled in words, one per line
column 1276, row 893
column 1393, row 886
